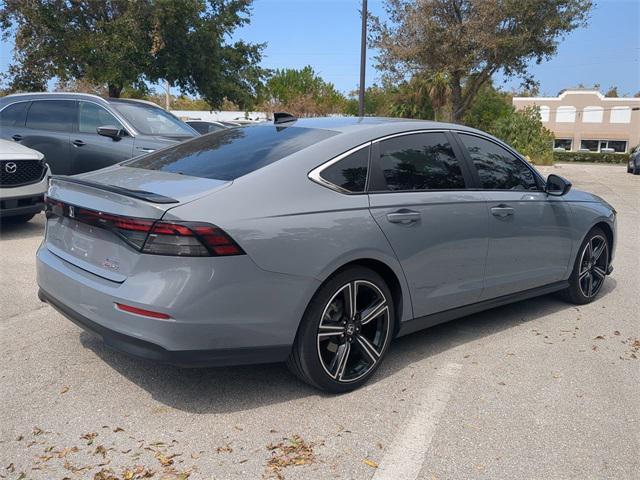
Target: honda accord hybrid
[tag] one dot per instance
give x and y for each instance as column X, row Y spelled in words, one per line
column 313, row 241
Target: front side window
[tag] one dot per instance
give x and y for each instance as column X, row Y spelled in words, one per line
column 12, row 114
column 151, row 120
column 498, row 169
column 232, row 153
column 56, row 115
column 92, row 116
column 423, row 161
column 350, row 173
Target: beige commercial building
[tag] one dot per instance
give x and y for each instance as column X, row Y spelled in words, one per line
column 586, row 120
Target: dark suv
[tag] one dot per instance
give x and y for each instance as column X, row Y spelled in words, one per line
column 80, row 132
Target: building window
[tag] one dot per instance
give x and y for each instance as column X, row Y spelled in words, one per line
column 611, row 146
column 592, row 115
column 566, row 114
column 544, row 113
column 589, row 145
column 562, row 144
column 621, row 115
column 604, row 146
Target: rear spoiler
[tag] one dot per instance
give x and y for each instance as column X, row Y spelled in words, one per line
column 139, row 194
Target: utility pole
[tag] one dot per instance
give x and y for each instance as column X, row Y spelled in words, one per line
column 167, row 95
column 363, row 58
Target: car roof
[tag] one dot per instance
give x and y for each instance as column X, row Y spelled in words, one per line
column 379, row 125
column 72, row 96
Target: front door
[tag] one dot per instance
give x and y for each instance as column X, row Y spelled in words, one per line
column 91, row 151
column 530, row 232
column 436, row 227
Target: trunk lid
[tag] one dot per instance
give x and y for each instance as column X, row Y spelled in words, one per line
column 121, row 191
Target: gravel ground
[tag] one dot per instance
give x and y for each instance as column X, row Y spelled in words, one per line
column 538, row 389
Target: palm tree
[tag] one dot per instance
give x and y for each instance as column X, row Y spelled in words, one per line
column 439, row 91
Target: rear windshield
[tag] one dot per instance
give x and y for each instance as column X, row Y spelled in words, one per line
column 231, row 153
column 150, row 120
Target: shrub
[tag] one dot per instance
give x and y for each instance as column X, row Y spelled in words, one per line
column 591, row 157
column 523, row 130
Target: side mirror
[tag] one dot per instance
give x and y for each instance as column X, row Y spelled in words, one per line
column 557, row 185
column 111, row 131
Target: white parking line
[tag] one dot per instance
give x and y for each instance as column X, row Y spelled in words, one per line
column 403, row 460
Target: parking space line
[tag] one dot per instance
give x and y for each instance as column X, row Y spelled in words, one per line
column 403, row 460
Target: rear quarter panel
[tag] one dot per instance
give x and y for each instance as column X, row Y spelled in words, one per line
column 288, row 224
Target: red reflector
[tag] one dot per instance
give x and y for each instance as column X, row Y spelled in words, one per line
column 142, row 311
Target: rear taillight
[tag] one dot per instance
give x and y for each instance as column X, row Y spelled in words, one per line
column 188, row 239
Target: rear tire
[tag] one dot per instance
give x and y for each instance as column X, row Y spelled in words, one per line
column 589, row 270
column 339, row 347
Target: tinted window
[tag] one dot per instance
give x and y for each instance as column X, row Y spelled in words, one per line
column 233, row 152
column 151, row 120
column 12, row 114
column 349, row 173
column 498, row 169
column 422, row 161
column 92, row 116
column 51, row 115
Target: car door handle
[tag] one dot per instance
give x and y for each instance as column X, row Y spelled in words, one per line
column 502, row 211
column 17, row 137
column 78, row 143
column 403, row 216
column 146, row 149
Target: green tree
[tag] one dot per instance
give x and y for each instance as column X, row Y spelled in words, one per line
column 488, row 106
column 301, row 92
column 125, row 44
column 470, row 40
column 523, row 130
column 612, row 92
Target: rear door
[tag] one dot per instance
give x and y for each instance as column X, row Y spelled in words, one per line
column 530, row 231
column 90, row 151
column 47, row 129
column 436, row 226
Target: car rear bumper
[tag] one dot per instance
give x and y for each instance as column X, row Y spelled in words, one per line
column 188, row 358
column 232, row 314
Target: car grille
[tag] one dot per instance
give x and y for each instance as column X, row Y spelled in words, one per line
column 21, row 172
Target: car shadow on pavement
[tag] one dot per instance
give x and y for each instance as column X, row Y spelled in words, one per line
column 10, row 230
column 233, row 389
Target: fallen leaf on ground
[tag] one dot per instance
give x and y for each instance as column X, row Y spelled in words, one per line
column 64, row 390
column 89, row 437
column 292, row 451
column 370, row 463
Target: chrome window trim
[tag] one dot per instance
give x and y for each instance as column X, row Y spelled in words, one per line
column 314, row 175
column 130, row 130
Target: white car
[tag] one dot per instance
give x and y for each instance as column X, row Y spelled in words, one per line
column 23, row 181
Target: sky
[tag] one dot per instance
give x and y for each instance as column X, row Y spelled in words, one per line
column 326, row 35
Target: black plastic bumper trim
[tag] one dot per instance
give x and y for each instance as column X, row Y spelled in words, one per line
column 184, row 358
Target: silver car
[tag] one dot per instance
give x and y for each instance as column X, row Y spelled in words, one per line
column 314, row 242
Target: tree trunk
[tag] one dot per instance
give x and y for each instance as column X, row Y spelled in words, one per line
column 457, row 110
column 114, row 90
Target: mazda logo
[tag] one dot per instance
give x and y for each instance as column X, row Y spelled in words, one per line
column 10, row 167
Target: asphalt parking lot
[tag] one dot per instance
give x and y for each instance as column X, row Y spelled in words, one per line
column 538, row 389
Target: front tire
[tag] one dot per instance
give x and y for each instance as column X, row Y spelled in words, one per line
column 589, row 270
column 345, row 331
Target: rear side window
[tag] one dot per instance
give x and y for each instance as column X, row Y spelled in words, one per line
column 232, row 153
column 350, row 173
column 423, row 161
column 13, row 114
column 54, row 115
column 92, row 116
column 498, row 169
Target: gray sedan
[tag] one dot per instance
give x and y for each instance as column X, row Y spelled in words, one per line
column 314, row 242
